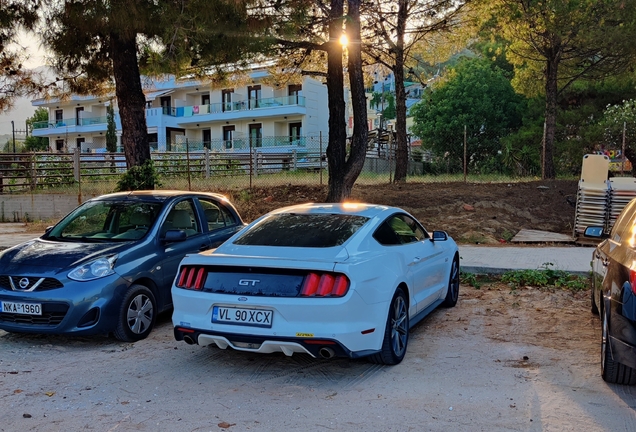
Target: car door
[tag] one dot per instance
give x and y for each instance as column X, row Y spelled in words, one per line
column 424, row 260
column 182, row 216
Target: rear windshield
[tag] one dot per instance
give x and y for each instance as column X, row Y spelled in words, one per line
column 303, row 230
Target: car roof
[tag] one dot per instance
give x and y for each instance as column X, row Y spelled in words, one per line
column 157, row 195
column 348, row 208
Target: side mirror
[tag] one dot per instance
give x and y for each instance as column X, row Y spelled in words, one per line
column 595, row 232
column 439, row 236
column 175, row 236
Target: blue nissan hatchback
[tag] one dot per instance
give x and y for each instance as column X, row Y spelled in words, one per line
column 108, row 266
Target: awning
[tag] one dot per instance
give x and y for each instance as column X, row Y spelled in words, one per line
column 154, row 95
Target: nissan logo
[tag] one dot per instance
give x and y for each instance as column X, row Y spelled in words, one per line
column 24, row 283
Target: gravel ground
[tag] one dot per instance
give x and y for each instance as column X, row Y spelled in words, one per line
column 502, row 360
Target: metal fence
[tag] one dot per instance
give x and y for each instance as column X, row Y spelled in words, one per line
column 237, row 164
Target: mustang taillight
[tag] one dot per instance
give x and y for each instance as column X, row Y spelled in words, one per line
column 632, row 280
column 324, row 285
column 192, row 278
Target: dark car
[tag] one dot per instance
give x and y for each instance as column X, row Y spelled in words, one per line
column 108, row 266
column 614, row 296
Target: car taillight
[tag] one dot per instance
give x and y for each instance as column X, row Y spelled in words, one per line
column 632, row 280
column 324, row 285
column 192, row 278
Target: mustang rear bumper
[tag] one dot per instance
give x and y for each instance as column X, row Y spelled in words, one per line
column 323, row 348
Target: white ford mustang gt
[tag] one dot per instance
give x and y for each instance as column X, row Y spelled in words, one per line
column 345, row 280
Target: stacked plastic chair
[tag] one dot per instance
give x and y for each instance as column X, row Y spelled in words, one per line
column 622, row 191
column 593, row 197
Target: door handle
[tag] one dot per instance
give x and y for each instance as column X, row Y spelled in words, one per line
column 203, row 247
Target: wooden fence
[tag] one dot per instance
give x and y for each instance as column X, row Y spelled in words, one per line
column 20, row 172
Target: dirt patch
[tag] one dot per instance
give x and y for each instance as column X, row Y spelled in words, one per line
column 471, row 213
column 475, row 213
column 503, row 359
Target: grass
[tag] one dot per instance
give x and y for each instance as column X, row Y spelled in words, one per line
column 545, row 277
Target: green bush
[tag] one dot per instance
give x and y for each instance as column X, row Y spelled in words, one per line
column 545, row 277
column 142, row 177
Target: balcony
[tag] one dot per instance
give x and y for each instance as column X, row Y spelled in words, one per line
column 72, row 122
column 245, row 144
column 237, row 106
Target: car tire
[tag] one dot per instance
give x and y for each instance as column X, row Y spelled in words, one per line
column 137, row 314
column 452, row 294
column 396, row 332
column 612, row 371
column 593, row 306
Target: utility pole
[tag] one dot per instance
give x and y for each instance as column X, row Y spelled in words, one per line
column 13, row 131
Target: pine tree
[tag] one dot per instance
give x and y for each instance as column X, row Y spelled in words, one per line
column 111, row 129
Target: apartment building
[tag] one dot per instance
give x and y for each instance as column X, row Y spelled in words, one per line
column 253, row 115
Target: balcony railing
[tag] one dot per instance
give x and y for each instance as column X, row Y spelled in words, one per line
column 87, row 121
column 245, row 105
column 241, row 144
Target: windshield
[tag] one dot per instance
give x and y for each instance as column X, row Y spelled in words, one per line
column 107, row 221
column 303, row 230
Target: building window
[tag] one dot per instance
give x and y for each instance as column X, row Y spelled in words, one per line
column 79, row 114
column 256, row 135
column 228, row 136
column 207, row 138
column 79, row 142
column 59, row 145
column 295, row 131
column 59, row 117
column 254, row 96
column 205, row 99
column 166, row 105
column 226, row 99
column 295, row 90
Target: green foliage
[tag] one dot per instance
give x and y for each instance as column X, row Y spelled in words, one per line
column 36, row 144
column 476, row 94
column 545, row 277
column 143, row 177
column 15, row 80
column 111, row 129
column 32, row 143
column 470, row 279
column 507, row 235
column 384, row 102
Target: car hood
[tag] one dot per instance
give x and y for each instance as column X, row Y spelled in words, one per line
column 55, row 255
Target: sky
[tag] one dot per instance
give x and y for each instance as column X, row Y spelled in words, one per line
column 23, row 108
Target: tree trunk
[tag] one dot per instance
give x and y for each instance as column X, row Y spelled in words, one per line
column 360, row 136
column 336, row 147
column 402, row 152
column 130, row 98
column 551, row 92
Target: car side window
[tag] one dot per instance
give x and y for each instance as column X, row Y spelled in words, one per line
column 399, row 229
column 182, row 217
column 228, row 218
column 624, row 226
column 216, row 215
